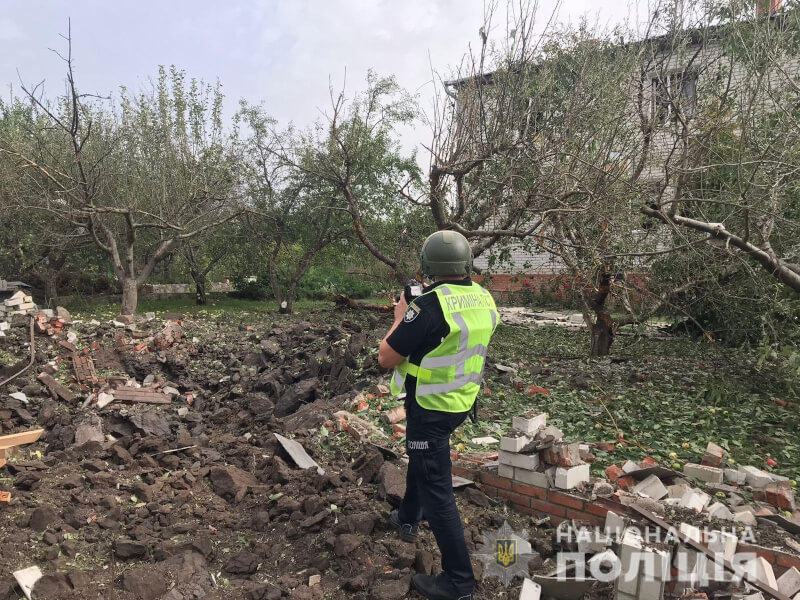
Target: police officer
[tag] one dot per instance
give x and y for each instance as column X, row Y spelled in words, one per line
column 437, row 347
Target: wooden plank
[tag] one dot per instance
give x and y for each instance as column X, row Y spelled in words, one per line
column 738, row 571
column 142, row 395
column 56, row 388
column 18, row 439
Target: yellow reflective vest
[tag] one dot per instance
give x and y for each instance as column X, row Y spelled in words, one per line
column 449, row 376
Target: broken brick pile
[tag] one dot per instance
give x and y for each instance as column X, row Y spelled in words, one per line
column 536, row 454
column 540, row 474
column 19, row 303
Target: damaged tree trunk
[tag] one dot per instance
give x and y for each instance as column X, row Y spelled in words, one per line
column 603, row 328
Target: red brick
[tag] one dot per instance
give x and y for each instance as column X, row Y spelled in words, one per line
column 647, row 462
column 489, row 490
column 549, row 508
column 498, row 482
column 626, row 483
column 564, row 499
column 594, row 509
column 514, row 498
column 787, row 560
column 614, row 472
column 582, row 516
column 530, row 490
column 462, row 472
column 768, row 555
column 777, row 495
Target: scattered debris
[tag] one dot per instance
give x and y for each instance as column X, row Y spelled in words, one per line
column 27, row 578
column 298, row 454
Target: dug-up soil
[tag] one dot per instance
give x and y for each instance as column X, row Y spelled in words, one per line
column 105, row 512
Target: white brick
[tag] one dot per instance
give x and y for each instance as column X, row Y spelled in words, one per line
column 651, row 487
column 629, row 467
column 761, row 570
column 735, row 476
column 570, row 478
column 723, row 545
column 534, row 478
column 755, row 477
column 514, row 444
column 506, row 471
column 703, row 473
column 629, row 549
column 678, row 490
column 789, row 582
column 523, row 461
column 557, row 434
column 529, row 424
column 530, row 590
column 615, row 524
column 695, row 499
column 719, row 511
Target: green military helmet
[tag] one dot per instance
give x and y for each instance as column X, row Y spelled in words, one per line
column 446, row 253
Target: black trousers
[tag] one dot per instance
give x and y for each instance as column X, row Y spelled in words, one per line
column 429, row 489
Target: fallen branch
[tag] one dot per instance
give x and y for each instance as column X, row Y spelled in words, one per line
column 344, row 301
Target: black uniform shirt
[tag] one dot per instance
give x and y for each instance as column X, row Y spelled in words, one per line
column 422, row 329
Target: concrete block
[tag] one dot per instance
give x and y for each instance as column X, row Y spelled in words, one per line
column 695, row 499
column 529, row 423
column 506, row 471
column 723, row 545
column 514, row 444
column 651, row 487
column 653, row 588
column 755, row 477
column 703, row 473
column 719, row 511
column 789, row 582
column 530, row 590
column 522, row 461
column 761, row 569
column 534, row 478
column 629, row 466
column 551, row 430
column 678, row 490
column 735, row 476
column 745, row 517
column 629, row 548
column 572, row 477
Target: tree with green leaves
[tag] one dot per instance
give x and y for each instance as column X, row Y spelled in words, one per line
column 139, row 180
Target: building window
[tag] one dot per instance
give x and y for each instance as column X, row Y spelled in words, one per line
column 672, row 94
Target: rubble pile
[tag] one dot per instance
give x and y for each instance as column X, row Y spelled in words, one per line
column 188, row 458
column 536, row 454
column 19, row 303
column 712, row 504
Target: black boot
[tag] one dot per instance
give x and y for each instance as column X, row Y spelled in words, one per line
column 437, row 588
column 409, row 532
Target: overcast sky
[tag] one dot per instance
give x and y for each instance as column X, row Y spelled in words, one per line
column 281, row 52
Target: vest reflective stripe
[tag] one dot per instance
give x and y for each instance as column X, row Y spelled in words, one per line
column 448, row 377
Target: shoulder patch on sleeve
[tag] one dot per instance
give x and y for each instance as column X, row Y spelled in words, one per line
column 412, row 313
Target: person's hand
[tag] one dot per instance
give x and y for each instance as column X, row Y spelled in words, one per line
column 400, row 308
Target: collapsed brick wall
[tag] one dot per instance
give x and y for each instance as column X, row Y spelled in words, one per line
column 561, row 506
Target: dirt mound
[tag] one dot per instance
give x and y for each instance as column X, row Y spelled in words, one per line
column 192, row 497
